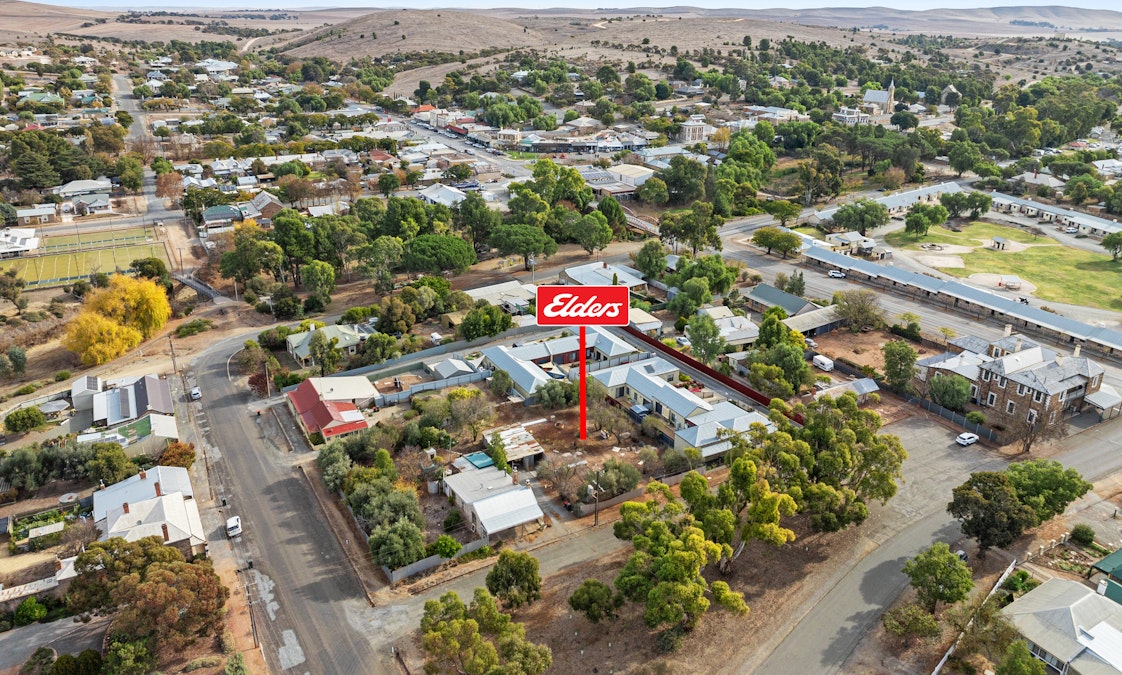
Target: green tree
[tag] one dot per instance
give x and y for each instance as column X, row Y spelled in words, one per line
column 772, row 238
column 497, row 450
column 1046, row 486
column 514, row 579
column 445, row 547
column 899, row 365
column 29, row 611
column 129, row 658
column 783, row 210
column 17, row 357
column 173, row 604
column 484, row 320
column 595, row 600
column 474, row 218
column 651, row 259
column 387, row 183
column 696, row 228
column 319, row 279
column 963, row 156
column 938, row 575
column 954, row 202
column 706, row 343
column 398, row 544
column 591, row 232
column 988, row 508
column 1020, row 661
column 653, row 191
column 684, row 180
column 235, row 665
column 950, row 391
column 501, row 382
column 861, row 309
column 103, row 564
column 693, row 294
column 11, row 287
column 523, row 240
column 922, row 217
column 861, row 216
column 110, row 464
column 437, row 253
column 617, row 219
column 911, row 621
column 1111, row 242
column 978, row 203
column 325, row 352
column 796, row 284
column 24, row 419
column 477, row 639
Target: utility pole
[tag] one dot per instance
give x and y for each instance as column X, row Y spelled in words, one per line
column 174, row 368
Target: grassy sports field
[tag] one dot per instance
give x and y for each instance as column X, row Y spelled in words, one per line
column 62, row 268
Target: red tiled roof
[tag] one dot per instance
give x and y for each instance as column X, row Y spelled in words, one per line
column 424, row 108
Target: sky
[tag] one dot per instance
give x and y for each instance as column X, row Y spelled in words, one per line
column 583, row 4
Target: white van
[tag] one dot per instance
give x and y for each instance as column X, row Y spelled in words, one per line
column 822, row 363
column 233, row 526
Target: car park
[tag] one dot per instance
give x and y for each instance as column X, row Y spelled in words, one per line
column 966, row 438
column 836, row 274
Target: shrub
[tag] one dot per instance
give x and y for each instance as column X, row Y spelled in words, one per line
column 1083, row 534
column 203, row 662
column 26, row 389
column 62, row 376
column 444, row 546
column 228, row 643
column 670, row 640
column 24, row 419
column 193, row 327
column 29, row 611
column 1019, row 582
column 452, row 521
column 976, row 417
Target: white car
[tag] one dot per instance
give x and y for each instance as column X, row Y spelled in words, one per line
column 683, row 341
column 1071, row 230
column 836, row 274
column 233, row 526
column 966, row 438
column 196, row 393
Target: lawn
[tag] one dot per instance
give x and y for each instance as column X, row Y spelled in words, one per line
column 523, row 155
column 972, row 235
column 75, row 241
column 1061, row 274
column 812, row 232
column 61, row 268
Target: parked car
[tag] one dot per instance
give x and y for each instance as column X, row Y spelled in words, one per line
column 196, row 393
column 233, row 526
column 966, row 438
column 1071, row 230
column 683, row 341
column 811, row 343
column 836, row 274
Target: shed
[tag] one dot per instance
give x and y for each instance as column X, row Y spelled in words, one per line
column 1010, row 281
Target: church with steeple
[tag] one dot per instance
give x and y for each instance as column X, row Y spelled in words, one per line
column 880, row 101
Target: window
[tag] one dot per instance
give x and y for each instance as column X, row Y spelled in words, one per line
column 1001, row 382
column 991, row 399
column 1031, row 417
column 1020, row 390
column 1051, row 417
column 986, row 376
column 1038, row 396
column 973, row 392
column 1010, row 407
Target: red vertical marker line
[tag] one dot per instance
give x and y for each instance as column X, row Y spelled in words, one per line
column 583, row 374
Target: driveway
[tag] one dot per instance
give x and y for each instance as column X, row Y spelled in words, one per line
column 65, row 636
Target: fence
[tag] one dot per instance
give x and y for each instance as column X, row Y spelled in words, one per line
column 1001, row 580
column 581, row 509
column 396, row 397
column 955, row 418
column 430, row 562
column 39, row 400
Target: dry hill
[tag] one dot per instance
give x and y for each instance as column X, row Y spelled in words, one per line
column 24, row 20
column 403, row 30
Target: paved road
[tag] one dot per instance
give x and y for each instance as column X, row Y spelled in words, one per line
column 63, row 635
column 831, row 629
column 307, row 600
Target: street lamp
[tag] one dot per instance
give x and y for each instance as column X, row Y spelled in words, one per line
column 533, row 268
column 596, row 501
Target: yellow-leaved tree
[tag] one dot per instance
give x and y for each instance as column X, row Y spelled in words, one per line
column 116, row 319
column 98, row 340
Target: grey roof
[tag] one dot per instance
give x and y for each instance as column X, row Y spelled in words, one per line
column 1074, row 217
column 1034, row 369
column 876, row 96
column 901, row 200
column 450, row 368
column 1073, row 623
column 142, row 486
column 617, row 375
column 1007, row 306
column 475, row 484
column 527, row 376
column 771, row 296
column 812, row 320
column 503, row 511
column 971, row 343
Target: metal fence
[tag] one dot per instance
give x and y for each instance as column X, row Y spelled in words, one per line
column 955, row 418
column 430, row 562
column 383, row 400
column 1000, row 580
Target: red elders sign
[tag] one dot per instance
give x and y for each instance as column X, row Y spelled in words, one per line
column 583, row 305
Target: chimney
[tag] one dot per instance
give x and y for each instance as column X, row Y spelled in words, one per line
column 605, row 263
column 158, row 493
column 143, row 475
column 164, row 528
column 1018, row 347
column 1008, row 329
column 1078, row 348
column 125, row 506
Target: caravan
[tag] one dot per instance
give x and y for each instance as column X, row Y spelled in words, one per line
column 822, row 363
